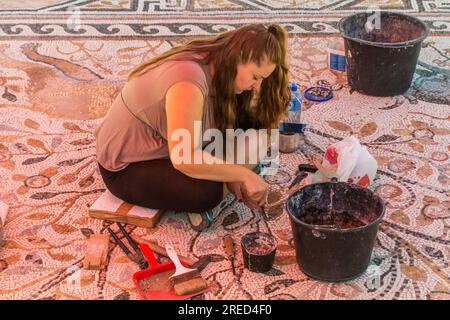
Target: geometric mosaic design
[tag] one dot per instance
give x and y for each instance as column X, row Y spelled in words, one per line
column 133, row 18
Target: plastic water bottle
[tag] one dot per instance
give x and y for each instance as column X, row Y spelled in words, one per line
column 295, row 107
column 292, row 123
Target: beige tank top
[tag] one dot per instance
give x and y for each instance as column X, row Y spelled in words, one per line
column 135, row 127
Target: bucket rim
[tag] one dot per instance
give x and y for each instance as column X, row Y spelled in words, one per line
column 386, row 44
column 333, row 230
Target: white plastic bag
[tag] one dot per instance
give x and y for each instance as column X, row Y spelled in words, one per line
column 354, row 163
column 348, row 161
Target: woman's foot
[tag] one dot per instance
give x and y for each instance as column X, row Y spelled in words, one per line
column 203, row 220
column 200, row 221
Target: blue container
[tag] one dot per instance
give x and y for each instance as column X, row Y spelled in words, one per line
column 338, row 61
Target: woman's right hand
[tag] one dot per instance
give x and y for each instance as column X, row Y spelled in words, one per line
column 255, row 191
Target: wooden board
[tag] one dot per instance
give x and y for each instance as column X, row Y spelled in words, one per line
column 96, row 252
column 109, row 207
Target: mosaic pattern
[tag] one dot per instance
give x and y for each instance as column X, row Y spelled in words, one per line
column 203, row 7
column 54, row 92
column 172, row 28
column 180, row 18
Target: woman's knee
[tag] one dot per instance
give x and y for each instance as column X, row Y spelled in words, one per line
column 109, row 179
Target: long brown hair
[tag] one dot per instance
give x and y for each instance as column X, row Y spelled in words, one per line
column 251, row 43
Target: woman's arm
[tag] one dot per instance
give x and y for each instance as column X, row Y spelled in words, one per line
column 184, row 106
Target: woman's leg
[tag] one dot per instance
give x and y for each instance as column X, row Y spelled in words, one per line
column 157, row 184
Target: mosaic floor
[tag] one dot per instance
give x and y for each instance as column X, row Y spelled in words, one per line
column 61, row 65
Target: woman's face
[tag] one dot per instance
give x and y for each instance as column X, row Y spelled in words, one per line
column 249, row 76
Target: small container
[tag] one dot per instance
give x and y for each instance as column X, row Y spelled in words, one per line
column 292, row 127
column 289, row 141
column 337, row 61
column 258, row 251
column 318, row 93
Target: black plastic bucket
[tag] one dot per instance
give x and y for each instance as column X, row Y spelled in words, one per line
column 382, row 62
column 258, row 251
column 327, row 252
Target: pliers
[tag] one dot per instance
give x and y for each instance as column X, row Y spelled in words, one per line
column 138, row 258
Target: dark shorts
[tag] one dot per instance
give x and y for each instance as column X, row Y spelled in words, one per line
column 157, row 184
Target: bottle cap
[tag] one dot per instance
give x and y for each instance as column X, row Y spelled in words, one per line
column 293, row 86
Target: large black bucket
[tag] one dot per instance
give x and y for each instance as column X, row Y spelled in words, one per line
column 382, row 62
column 323, row 250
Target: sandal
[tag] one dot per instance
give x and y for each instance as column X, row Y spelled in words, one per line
column 200, row 221
column 203, row 220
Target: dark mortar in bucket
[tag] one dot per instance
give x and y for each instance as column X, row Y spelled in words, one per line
column 382, row 62
column 334, row 245
column 331, row 219
column 258, row 251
